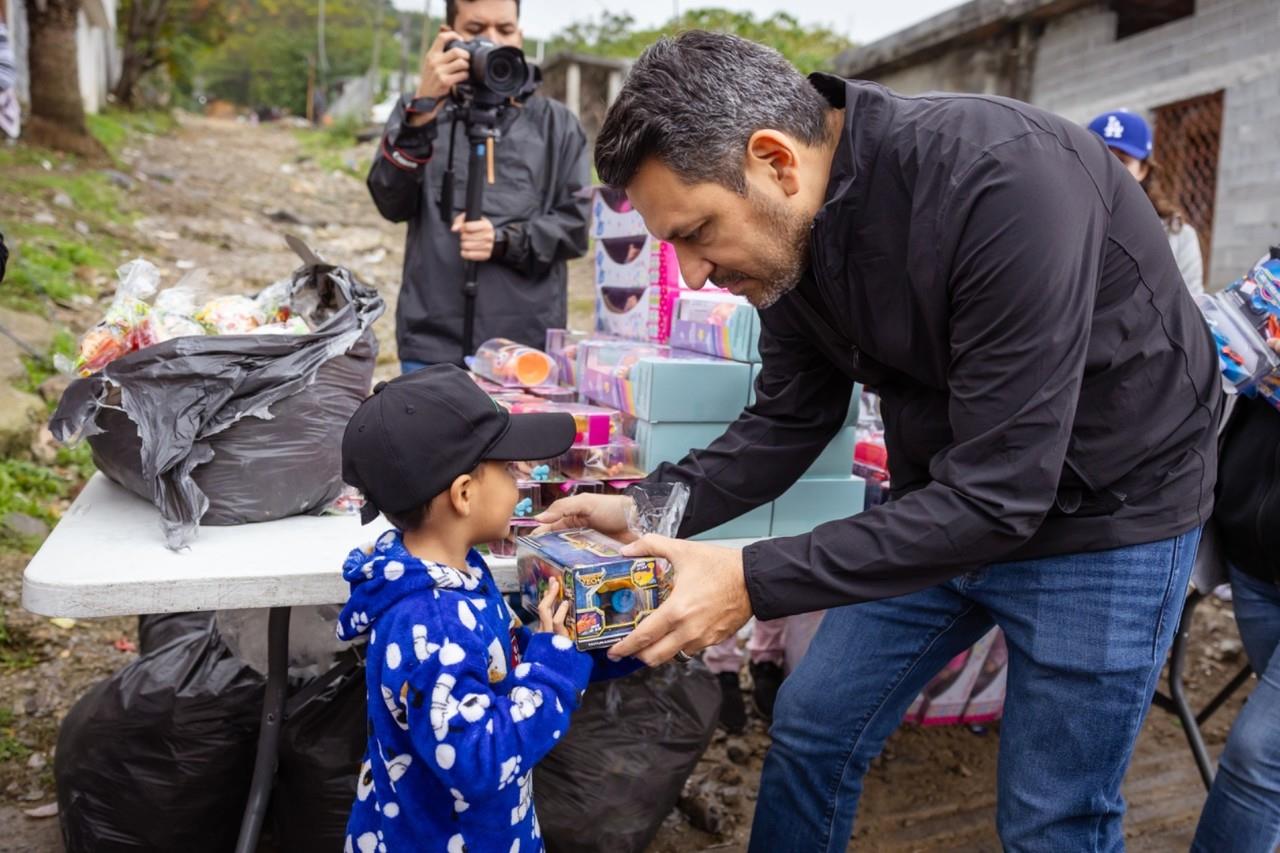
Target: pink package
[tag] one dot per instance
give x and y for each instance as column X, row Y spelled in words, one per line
column 637, row 282
column 986, row 699
column 945, row 698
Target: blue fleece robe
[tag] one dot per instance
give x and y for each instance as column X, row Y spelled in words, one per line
column 463, row 702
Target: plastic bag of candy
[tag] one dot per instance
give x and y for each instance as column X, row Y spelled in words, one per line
column 126, row 327
column 230, row 315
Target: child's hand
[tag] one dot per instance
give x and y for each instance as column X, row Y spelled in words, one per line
column 548, row 621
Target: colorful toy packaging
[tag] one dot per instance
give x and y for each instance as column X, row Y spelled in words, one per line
column 619, row 460
column 562, row 346
column 608, row 594
column 718, row 324
column 510, row 364
column 596, row 426
column 613, row 216
column 637, row 281
column 1242, row 318
column 604, row 370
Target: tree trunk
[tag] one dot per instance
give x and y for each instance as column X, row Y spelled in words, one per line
column 55, row 75
column 140, row 42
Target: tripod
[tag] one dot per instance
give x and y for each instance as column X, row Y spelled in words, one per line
column 482, row 122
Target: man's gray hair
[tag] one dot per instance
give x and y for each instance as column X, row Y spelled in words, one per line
column 694, row 101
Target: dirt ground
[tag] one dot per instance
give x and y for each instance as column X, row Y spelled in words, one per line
column 218, row 195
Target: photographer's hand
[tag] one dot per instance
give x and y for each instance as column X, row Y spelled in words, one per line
column 477, row 238
column 441, row 71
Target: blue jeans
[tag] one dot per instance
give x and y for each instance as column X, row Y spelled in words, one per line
column 1087, row 636
column 1242, row 813
column 409, row 366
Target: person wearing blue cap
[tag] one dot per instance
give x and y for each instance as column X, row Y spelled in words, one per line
column 1128, row 136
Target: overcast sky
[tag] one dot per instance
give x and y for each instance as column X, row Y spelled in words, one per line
column 861, row 20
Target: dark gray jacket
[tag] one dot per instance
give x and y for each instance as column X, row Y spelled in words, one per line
column 537, row 206
column 1047, row 384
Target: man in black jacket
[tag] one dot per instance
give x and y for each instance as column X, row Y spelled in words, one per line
column 1049, row 394
column 535, row 214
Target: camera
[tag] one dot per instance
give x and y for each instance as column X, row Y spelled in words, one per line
column 497, row 73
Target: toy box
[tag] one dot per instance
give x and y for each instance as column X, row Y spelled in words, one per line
column 809, row 503
column 619, row 460
column 637, row 280
column 608, row 593
column 661, row 385
column 596, row 426
column 754, row 524
column 1242, row 318
column 506, row 547
column 613, row 216
column 509, row 364
column 717, row 324
column 671, row 441
column 562, row 346
column 837, row 459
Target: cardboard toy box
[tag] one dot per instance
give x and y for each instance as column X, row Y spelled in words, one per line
column 613, row 216
column 637, row 280
column 811, row 502
column 608, row 593
column 664, row 386
column 717, row 324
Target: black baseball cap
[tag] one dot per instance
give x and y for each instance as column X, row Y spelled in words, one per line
column 419, row 432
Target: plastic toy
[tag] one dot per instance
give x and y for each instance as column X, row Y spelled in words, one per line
column 511, row 364
column 596, row 426
column 608, row 594
column 619, row 460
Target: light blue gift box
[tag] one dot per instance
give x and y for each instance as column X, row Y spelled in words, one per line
column 692, row 390
column 811, row 502
column 752, row 525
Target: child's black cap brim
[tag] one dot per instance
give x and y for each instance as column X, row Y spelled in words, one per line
column 534, row 436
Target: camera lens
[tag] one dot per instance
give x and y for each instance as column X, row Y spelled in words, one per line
column 505, row 71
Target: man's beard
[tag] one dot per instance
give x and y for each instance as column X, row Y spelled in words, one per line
column 785, row 241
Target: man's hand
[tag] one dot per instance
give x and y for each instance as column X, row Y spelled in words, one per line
column 708, row 603
column 441, row 71
column 477, row 238
column 606, row 513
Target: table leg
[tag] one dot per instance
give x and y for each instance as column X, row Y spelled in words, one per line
column 264, row 767
column 1181, row 705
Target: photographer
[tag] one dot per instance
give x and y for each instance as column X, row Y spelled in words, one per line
column 534, row 214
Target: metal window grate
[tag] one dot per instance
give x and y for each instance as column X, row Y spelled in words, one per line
column 1188, row 135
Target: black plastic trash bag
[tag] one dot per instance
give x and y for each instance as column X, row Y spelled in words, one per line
column 321, row 748
column 620, row 770
column 234, row 428
column 157, row 630
column 160, row 755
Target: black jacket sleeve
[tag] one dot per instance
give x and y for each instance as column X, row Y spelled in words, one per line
column 395, row 178
column 560, row 232
column 1024, row 237
column 801, row 402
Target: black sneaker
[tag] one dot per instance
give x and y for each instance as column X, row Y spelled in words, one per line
column 766, row 678
column 733, row 710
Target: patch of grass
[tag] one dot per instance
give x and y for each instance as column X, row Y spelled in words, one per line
column 114, row 127
column 328, row 146
column 40, row 369
column 28, row 488
column 77, row 460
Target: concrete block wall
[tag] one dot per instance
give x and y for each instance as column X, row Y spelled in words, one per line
column 1081, row 70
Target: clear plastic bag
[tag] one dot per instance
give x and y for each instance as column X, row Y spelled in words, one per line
column 657, row 508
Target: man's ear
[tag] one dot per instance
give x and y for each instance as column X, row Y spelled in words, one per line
column 772, row 157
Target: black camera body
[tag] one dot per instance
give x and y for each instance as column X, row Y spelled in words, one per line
column 497, row 72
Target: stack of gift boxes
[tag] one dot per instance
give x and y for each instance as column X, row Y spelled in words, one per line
column 666, row 370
